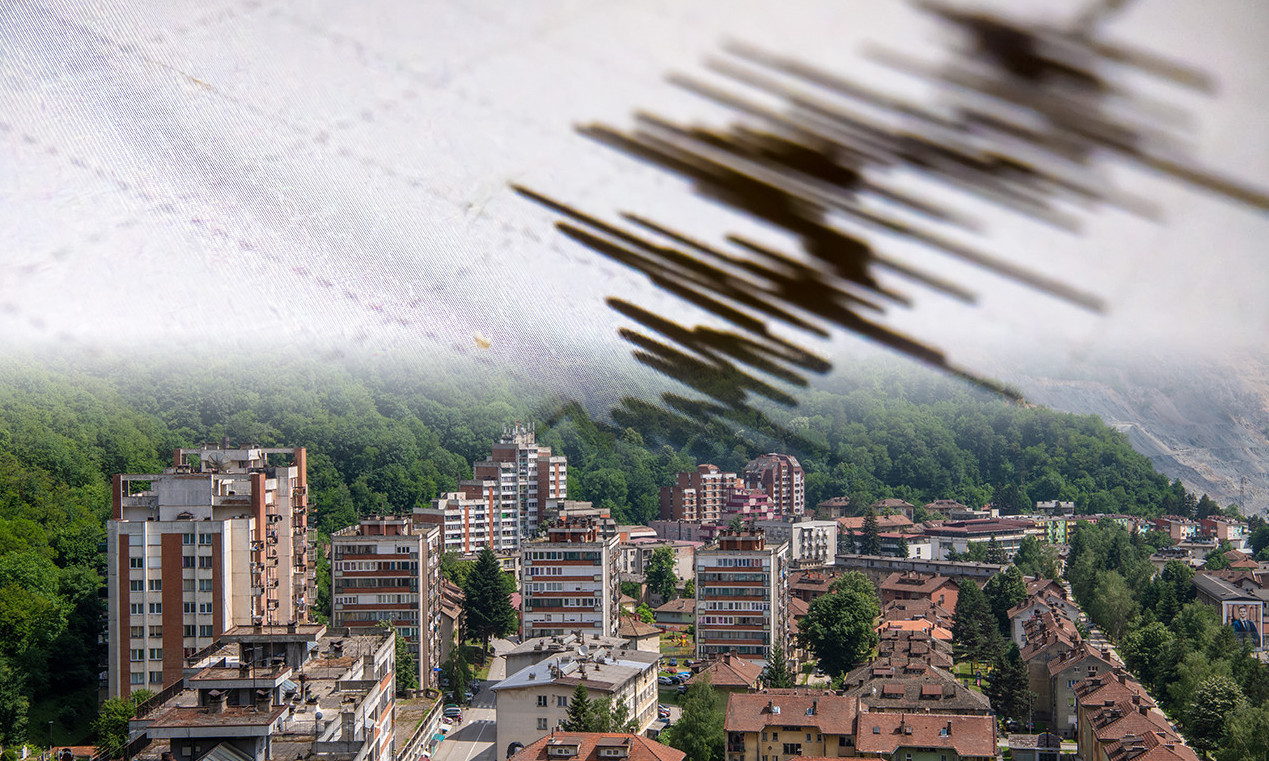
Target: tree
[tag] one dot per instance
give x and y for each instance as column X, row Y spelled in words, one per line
column 995, row 552
column 870, row 541
column 973, row 623
column 699, row 731
column 14, row 705
column 1004, row 591
column 645, row 614
column 1007, row 686
column 487, row 606
column 689, row 588
column 605, row 716
column 1216, row 699
column 111, row 725
column 456, row 671
column 901, row 548
column 579, row 716
column 777, row 673
column 1112, row 605
column 1216, row 561
column 1246, row 736
column 1145, row 651
column 838, row 627
column 454, row 568
column 660, row 575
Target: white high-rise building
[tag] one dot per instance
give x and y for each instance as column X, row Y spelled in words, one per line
column 527, row 475
column 218, row 540
column 568, row 582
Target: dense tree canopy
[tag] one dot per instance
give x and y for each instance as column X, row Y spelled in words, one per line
column 838, row 626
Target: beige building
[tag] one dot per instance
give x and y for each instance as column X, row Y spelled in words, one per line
column 812, row 543
column 781, row 724
column 472, row 518
column 526, row 476
column 534, row 700
column 568, row 582
column 698, row 496
column 742, row 596
column 388, row 569
column 218, row 540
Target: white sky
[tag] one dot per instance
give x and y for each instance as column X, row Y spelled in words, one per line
column 240, row 174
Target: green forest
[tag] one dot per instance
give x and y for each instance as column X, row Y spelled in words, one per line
column 388, row 437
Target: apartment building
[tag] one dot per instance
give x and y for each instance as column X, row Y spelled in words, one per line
column 742, row 595
column 277, row 693
column 812, row 543
column 782, row 478
column 480, row 514
column 569, row 582
column 534, row 700
column 526, row 476
column 956, row 536
column 387, row 568
column 779, row 724
column 218, row 540
column 698, row 496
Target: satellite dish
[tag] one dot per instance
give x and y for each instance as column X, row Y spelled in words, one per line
column 583, row 651
column 319, row 714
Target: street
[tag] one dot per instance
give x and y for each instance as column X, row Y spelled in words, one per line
column 474, row 738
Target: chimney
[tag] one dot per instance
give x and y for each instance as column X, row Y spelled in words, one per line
column 815, row 705
column 348, row 725
column 216, row 701
column 949, row 728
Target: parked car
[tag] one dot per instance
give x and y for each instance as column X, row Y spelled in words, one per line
column 663, row 711
column 674, row 661
column 475, row 688
column 452, row 712
column 467, row 696
column 682, row 689
column 665, row 681
column 675, row 679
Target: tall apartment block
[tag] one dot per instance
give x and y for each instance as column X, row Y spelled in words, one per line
column 480, row 514
column 781, row 477
column 569, row 582
column 218, row 540
column 387, row 568
column 526, row 475
column 699, row 495
column 742, row 595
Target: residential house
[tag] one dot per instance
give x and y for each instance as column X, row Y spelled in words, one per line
column 596, row 746
column 926, row 737
column 783, row 724
column 1243, row 611
column 639, row 635
column 1045, row 746
column 939, row 590
column 729, row 673
column 1065, row 673
column 677, row 613
column 917, row 687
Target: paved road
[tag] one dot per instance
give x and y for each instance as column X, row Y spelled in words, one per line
column 474, row 738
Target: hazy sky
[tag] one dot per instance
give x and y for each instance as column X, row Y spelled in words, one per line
column 236, row 174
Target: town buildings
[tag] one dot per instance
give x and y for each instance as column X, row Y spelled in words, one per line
column 812, row 543
column 277, row 693
column 781, row 477
column 526, row 476
column 475, row 517
column 218, row 540
column 1242, row 610
column 534, row 700
column 387, row 568
column 569, row 582
column 782, row 724
column 596, row 746
column 956, row 536
column 699, row 495
column 742, row 593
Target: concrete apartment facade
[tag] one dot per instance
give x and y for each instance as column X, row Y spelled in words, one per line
column 812, row 543
column 527, row 475
column 700, row 495
column 742, row 596
column 218, row 540
column 569, row 582
column 782, row 478
column 386, row 568
column 474, row 517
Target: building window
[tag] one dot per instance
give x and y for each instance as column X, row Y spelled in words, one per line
column 136, row 562
column 136, row 585
column 190, row 630
column 156, row 607
column 156, row 677
column 764, row 736
column 136, row 608
column 1070, row 702
column 138, row 632
column 138, row 654
column 156, row 631
column 204, row 538
column 204, row 630
column 156, row 585
column 187, row 538
column 541, row 724
column 137, row 677
column 189, row 607
column 561, row 701
column 205, row 607
column 187, row 585
column 187, row 561
column 795, row 749
column 204, row 561
column 156, row 653
column 204, row 585
column 541, row 701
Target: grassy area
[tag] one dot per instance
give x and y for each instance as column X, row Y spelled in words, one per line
column 677, row 645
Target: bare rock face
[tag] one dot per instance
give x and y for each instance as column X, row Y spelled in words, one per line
column 1206, row 423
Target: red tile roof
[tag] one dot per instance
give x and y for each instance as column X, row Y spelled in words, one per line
column 828, row 712
column 885, row 733
column 589, row 745
column 730, row 671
